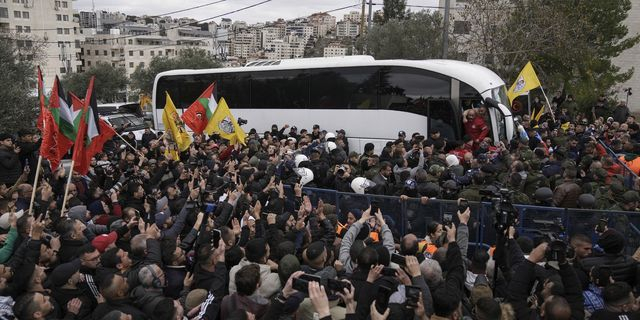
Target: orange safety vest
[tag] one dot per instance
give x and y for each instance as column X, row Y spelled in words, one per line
column 634, row 164
column 341, row 229
column 374, row 236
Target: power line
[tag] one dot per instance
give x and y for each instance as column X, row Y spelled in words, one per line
column 178, row 26
column 154, row 15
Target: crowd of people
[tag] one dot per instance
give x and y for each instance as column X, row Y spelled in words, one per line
column 211, row 233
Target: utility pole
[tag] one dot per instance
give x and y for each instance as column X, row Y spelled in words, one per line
column 362, row 18
column 370, row 15
column 445, row 31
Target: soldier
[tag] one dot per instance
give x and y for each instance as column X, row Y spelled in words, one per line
column 534, row 179
column 518, row 197
column 629, row 202
column 472, row 192
column 608, row 198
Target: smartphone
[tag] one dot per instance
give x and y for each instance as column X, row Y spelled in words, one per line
column 382, row 299
column 447, row 219
column 137, row 213
column 310, row 277
column 337, row 285
column 463, row 205
column 301, row 285
column 374, row 207
column 398, row 259
column 388, row 272
column 602, row 224
column 216, row 235
column 413, row 296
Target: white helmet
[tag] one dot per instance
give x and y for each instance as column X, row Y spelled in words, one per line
column 300, row 158
column 331, row 146
column 360, row 185
column 305, row 174
column 330, row 135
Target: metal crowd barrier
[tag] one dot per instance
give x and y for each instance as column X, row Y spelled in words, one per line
column 411, row 216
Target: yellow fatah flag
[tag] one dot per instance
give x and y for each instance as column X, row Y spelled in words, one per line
column 174, row 126
column 527, row 80
column 223, row 123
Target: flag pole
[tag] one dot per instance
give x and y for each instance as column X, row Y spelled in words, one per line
column 123, row 140
column 66, row 189
column 35, row 185
column 553, row 117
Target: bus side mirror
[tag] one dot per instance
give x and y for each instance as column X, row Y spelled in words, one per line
column 490, row 102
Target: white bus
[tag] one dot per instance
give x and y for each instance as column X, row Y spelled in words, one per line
column 370, row 99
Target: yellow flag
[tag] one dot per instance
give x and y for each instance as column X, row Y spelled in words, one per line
column 526, row 81
column 223, row 123
column 174, row 126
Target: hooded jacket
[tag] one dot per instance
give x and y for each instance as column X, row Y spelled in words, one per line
column 270, row 281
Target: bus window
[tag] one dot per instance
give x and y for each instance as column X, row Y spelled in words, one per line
column 279, row 90
column 183, row 90
column 407, row 89
column 344, row 88
column 235, row 88
column 443, row 118
column 468, row 96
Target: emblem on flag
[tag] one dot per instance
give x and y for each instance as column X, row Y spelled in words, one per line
column 520, row 84
column 226, row 125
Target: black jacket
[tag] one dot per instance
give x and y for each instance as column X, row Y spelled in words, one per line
column 10, row 167
column 122, row 305
column 623, row 268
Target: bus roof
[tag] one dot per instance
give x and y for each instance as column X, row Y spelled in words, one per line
column 479, row 77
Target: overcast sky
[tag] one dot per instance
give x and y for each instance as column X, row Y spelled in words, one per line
column 270, row 11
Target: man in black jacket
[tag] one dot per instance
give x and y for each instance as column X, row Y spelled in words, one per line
column 623, row 267
column 562, row 297
column 10, row 167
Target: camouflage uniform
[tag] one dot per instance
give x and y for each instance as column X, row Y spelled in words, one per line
column 471, row 193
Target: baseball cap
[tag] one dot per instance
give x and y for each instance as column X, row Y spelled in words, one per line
column 103, row 241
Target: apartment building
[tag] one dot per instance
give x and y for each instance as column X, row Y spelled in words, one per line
column 52, row 22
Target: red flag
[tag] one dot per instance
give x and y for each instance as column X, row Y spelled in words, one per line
column 200, row 111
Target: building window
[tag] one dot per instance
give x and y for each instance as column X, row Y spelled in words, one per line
column 59, row 30
column 25, row 15
column 77, row 44
column 160, row 52
column 97, row 53
column 89, row 63
column 88, row 52
column 63, row 70
column 65, row 4
column 16, row 1
column 141, row 53
column 130, row 53
column 66, row 30
column 105, row 53
column 28, row 43
column 58, row 17
column 141, row 64
column 18, row 29
column 113, row 64
column 130, row 41
column 65, row 18
column 4, row 13
column 113, row 53
column 130, row 64
column 153, row 53
column 27, row 29
column 57, row 4
column 17, row 14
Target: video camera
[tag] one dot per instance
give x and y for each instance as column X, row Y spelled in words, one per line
column 506, row 214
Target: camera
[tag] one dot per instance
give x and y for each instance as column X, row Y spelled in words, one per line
column 242, row 122
column 341, row 170
column 556, row 251
column 506, row 214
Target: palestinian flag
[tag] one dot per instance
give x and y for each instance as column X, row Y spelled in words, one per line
column 99, row 130
column 79, row 149
column 200, row 111
column 64, row 130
